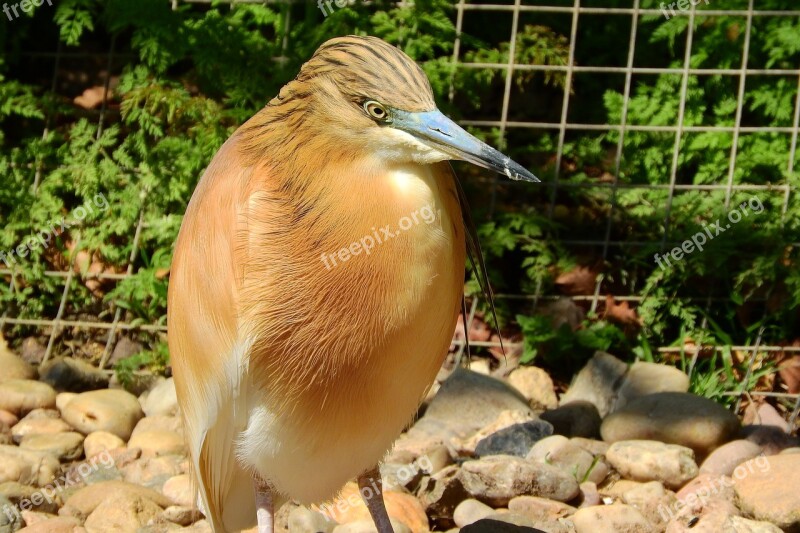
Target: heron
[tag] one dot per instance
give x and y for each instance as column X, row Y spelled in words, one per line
column 316, row 283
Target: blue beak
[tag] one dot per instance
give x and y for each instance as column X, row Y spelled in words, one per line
column 441, row 133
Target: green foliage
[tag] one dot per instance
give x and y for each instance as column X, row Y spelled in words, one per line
column 153, row 361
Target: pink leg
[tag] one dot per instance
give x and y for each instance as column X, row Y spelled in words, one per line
column 265, row 513
column 371, row 487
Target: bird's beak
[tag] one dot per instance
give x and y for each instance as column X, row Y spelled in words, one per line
column 441, row 133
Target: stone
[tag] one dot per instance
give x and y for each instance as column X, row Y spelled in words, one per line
column 183, row 516
column 498, row 478
column 9, row 521
column 84, row 501
column 764, row 414
column 26, row 466
column 32, row 351
column 57, row 524
column 63, row 398
column 514, row 440
column 610, row 519
column 97, row 442
column 536, row 386
column 470, row 511
column 14, row 367
column 645, row 378
column 440, row 494
column 161, row 399
column 7, row 419
column 594, row 447
column 674, row 418
column 367, row 526
column 466, row 446
column 540, row 509
column 18, row 493
column 743, row 525
column 158, row 435
column 727, row 457
column 651, row 499
column 304, row 520
column 575, row 419
column 768, row 491
column 597, row 382
column 20, row 396
column 488, row 525
column 523, row 521
column 465, row 403
column 589, row 494
column 560, row 452
column 112, row 410
column 179, row 490
column 480, row 366
column 122, row 512
column 66, row 446
column 641, row 460
column 66, row 374
column 152, row 472
column 38, row 426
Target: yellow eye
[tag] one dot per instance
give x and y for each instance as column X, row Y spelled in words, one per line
column 376, row 111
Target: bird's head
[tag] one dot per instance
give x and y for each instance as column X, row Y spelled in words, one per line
column 370, row 96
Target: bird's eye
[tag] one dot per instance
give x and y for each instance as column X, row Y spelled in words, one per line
column 376, row 111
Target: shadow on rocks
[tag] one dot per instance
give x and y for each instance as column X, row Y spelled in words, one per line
column 488, row 525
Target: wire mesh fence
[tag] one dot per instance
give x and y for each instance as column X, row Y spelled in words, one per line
column 628, row 15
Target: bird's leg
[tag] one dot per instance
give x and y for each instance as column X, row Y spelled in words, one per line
column 265, row 512
column 371, row 488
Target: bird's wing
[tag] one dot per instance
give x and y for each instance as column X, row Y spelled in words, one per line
column 209, row 357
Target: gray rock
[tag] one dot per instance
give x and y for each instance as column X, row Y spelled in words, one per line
column 465, row 403
column 499, row 478
column 26, row 467
column 675, row 418
column 514, row 440
column 651, row 499
column 66, row 374
column 597, row 382
column 645, row 378
column 540, row 509
column 575, row 419
column 641, row 460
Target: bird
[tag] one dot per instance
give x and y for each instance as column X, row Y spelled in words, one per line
column 316, row 282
